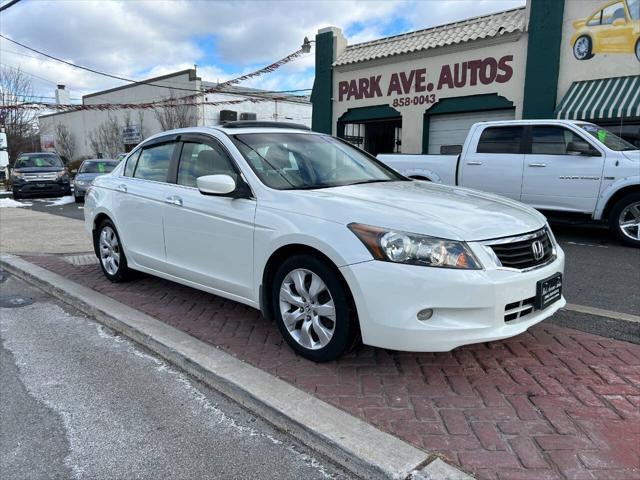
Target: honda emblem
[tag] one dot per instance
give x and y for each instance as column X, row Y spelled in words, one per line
column 537, row 247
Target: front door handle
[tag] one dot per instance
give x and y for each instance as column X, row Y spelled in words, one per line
column 539, row 165
column 474, row 163
column 122, row 188
column 174, row 200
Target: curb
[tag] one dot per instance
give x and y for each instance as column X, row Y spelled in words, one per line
column 348, row 441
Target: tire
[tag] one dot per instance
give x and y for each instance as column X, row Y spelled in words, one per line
column 637, row 49
column 110, row 253
column 314, row 336
column 16, row 195
column 626, row 210
column 583, row 48
column 77, row 199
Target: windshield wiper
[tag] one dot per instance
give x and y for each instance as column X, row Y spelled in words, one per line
column 380, row 180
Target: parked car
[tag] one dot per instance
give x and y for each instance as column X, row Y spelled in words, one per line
column 325, row 239
column 88, row 171
column 613, row 28
column 39, row 174
column 565, row 166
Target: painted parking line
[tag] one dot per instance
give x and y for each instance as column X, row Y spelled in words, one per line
column 602, row 313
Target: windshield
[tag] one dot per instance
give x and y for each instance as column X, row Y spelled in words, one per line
column 295, row 161
column 607, row 138
column 28, row 161
column 634, row 9
column 97, row 167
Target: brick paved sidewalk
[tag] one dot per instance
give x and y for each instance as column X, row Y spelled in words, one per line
column 552, row 403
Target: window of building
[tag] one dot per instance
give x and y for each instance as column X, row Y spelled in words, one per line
column 200, row 159
column 549, row 140
column 153, row 162
column 501, row 140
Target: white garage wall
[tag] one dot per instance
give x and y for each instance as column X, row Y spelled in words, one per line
column 452, row 128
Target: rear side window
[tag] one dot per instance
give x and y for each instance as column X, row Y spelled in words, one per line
column 153, row 163
column 500, row 140
column 130, row 166
column 549, row 140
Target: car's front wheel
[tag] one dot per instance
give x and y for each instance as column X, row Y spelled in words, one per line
column 582, row 49
column 312, row 309
column 638, row 49
column 624, row 219
column 110, row 253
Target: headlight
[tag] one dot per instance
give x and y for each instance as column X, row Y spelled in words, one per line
column 413, row 249
column 17, row 174
column 80, row 182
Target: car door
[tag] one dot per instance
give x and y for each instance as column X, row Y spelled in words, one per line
column 615, row 33
column 557, row 176
column 209, row 239
column 139, row 203
column 494, row 161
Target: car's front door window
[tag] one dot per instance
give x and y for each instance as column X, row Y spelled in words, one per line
column 200, row 159
column 550, row 140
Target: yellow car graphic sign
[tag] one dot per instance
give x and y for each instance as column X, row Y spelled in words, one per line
column 614, row 28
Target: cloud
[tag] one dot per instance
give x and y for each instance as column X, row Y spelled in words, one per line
column 140, row 39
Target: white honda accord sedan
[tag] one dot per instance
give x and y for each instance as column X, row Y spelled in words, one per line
column 326, row 240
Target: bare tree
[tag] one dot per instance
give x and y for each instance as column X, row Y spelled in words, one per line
column 19, row 123
column 65, row 142
column 176, row 113
column 106, row 140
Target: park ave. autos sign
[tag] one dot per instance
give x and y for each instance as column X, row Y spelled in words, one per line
column 420, row 86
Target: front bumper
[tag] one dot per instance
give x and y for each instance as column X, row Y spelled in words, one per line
column 468, row 305
column 42, row 188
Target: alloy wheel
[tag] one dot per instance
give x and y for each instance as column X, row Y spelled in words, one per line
column 307, row 309
column 629, row 221
column 581, row 48
column 109, row 250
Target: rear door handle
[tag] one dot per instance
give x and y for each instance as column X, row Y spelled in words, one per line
column 474, row 163
column 174, row 200
column 122, row 188
column 539, row 165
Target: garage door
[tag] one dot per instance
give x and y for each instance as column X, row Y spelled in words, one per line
column 450, row 129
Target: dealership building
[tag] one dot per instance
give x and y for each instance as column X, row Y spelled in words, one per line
column 105, row 132
column 419, row 92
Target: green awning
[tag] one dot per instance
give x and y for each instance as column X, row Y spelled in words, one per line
column 602, row 99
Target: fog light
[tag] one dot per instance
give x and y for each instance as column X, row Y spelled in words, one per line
column 425, row 314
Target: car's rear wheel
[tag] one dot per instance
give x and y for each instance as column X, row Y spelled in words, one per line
column 638, row 49
column 110, row 253
column 624, row 219
column 312, row 309
column 582, row 49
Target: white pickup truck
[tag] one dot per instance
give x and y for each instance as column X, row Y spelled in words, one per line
column 553, row 165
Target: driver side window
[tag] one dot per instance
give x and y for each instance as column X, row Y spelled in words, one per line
column 200, row 159
column 551, row 140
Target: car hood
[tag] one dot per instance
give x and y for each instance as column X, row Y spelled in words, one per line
column 421, row 207
column 632, row 155
column 87, row 177
column 37, row 169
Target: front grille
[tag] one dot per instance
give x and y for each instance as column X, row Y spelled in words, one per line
column 40, row 177
column 514, row 311
column 519, row 252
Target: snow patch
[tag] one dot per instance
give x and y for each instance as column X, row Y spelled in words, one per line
column 62, row 201
column 11, row 203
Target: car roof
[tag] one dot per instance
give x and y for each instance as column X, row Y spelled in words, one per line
column 231, row 131
column 536, row 121
column 106, row 160
column 31, row 154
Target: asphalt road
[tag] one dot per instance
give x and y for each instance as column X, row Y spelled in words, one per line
column 81, row 402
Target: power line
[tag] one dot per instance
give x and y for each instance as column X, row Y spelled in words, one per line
column 117, row 77
column 7, row 5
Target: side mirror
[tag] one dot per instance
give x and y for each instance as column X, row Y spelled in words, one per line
column 223, row 186
column 582, row 149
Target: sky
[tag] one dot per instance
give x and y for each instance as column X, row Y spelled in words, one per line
column 139, row 39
